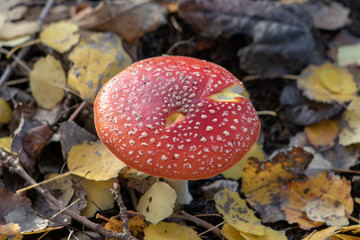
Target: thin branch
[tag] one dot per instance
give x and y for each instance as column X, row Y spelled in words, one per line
column 12, row 162
column 115, row 191
column 198, row 221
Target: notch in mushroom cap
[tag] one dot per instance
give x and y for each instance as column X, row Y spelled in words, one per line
column 176, row 117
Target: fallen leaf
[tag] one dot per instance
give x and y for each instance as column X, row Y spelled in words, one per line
column 157, row 203
column 47, row 82
column 97, row 58
column 231, row 233
column 235, row 172
column 5, row 112
column 129, row 19
column 61, row 36
column 166, row 231
column 299, row 193
column 14, row 42
column 301, row 111
column 322, row 133
column 270, row 234
column 262, row 181
column 218, row 185
column 274, row 28
column 10, row 231
column 11, row 30
column 29, row 224
column 350, row 132
column 237, row 214
column 348, row 54
column 62, row 189
column 326, row 208
column 137, row 224
column 93, row 161
column 327, row 83
column 323, row 234
column 328, row 16
column 35, row 140
column 98, row 196
column 5, row 143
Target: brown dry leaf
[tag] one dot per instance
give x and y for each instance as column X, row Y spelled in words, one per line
column 93, row 161
column 327, row 83
column 5, row 112
column 60, row 36
column 129, row 19
column 328, row 209
column 157, row 203
column 322, row 133
column 35, row 139
column 47, row 82
column 166, row 231
column 298, row 193
column 137, row 224
column 10, row 231
column 235, row 172
column 350, row 132
column 237, row 214
column 97, row 58
column 98, row 196
column 262, row 181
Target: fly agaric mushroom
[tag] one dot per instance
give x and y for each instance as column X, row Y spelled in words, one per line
column 176, row 117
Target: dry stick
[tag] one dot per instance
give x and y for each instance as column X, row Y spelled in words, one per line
column 12, row 162
column 115, row 191
column 198, row 221
column 77, row 111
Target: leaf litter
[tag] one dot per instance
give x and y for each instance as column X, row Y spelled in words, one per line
column 81, row 46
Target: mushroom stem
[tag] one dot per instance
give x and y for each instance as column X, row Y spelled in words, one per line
column 181, row 188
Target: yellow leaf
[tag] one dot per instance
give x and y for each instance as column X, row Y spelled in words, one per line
column 350, row 133
column 47, row 82
column 136, row 223
column 98, row 196
column 5, row 112
column 322, row 133
column 327, row 83
column 323, row 234
column 5, row 143
column 299, row 193
column 157, row 203
column 235, row 172
column 231, row 233
column 270, row 234
column 10, row 231
column 97, row 58
column 326, row 208
column 14, row 42
column 262, row 181
column 237, row 214
column 169, row 231
column 93, row 161
column 60, row 36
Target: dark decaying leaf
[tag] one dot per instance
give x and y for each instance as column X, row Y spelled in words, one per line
column 301, row 111
column 72, row 134
column 282, row 41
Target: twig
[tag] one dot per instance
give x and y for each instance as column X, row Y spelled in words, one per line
column 123, row 211
column 12, row 162
column 77, row 111
column 198, row 221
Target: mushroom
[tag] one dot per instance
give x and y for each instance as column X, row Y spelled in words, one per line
column 176, row 117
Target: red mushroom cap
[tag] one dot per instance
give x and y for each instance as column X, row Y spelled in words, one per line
column 176, row 117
